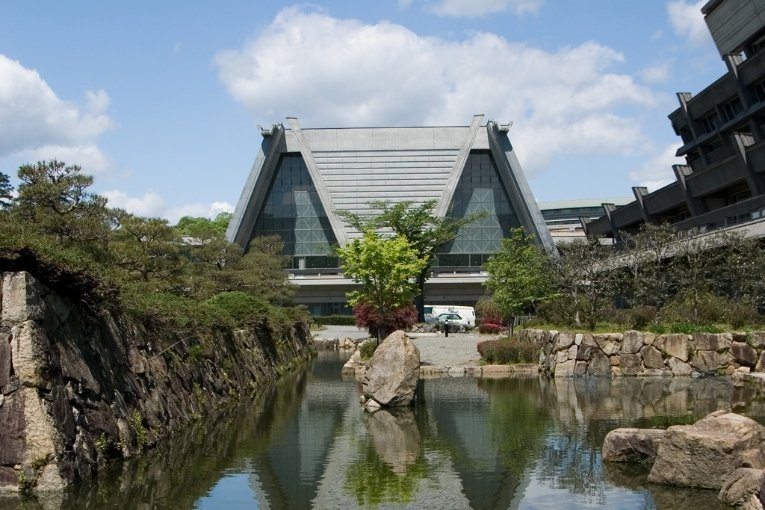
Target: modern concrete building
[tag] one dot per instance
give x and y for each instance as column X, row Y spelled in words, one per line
column 564, row 217
column 302, row 177
column 723, row 133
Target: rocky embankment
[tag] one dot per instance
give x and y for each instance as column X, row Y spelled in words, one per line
column 79, row 387
column 638, row 353
column 723, row 451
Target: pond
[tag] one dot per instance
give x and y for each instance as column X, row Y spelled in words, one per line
column 468, row 443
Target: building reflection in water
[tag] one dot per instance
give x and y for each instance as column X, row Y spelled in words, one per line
column 468, row 443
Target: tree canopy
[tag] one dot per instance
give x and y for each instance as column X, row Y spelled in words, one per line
column 385, row 268
column 6, row 191
column 69, row 238
column 424, row 231
column 520, row 275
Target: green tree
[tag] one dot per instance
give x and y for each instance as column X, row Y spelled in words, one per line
column 53, row 199
column 584, row 273
column 520, row 276
column 261, row 270
column 385, row 268
column 646, row 265
column 203, row 227
column 147, row 247
column 6, row 191
column 742, row 269
column 424, row 231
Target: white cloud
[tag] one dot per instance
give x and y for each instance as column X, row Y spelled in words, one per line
column 657, row 171
column 34, row 120
column 152, row 205
column 477, row 8
column 149, row 205
column 342, row 72
column 92, row 160
column 688, row 22
column 656, row 74
column 404, row 4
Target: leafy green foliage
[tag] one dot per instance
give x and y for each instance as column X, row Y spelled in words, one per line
column 67, row 237
column 6, row 191
column 583, row 275
column 53, row 199
column 335, row 320
column 367, row 349
column 203, row 228
column 519, row 275
column 424, row 231
column 232, row 308
column 145, row 247
column 385, row 269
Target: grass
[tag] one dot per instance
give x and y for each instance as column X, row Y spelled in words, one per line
column 661, row 328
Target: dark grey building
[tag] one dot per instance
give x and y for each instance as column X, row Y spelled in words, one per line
column 302, row 177
column 723, row 135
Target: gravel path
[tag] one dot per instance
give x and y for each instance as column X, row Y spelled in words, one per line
column 458, row 349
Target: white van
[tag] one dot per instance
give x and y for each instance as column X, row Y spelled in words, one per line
column 467, row 312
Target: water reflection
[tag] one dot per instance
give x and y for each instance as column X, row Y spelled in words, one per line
column 469, row 443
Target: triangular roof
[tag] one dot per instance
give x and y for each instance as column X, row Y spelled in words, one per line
column 352, row 166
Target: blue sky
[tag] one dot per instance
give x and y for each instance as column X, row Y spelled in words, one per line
column 160, row 101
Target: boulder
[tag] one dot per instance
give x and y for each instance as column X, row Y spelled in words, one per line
column 706, row 453
column 632, row 445
column 354, row 365
column 394, row 369
column 741, row 488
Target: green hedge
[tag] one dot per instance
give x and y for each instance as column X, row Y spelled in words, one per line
column 334, row 320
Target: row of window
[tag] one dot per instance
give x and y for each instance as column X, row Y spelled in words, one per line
column 293, row 211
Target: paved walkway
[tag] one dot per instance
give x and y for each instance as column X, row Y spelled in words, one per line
column 458, row 349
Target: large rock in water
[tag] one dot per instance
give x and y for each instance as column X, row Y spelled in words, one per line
column 706, row 453
column 632, row 445
column 391, row 378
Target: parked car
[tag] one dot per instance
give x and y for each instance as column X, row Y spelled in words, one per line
column 455, row 321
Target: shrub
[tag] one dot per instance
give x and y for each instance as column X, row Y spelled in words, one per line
column 236, row 309
column 489, row 328
column 695, row 309
column 561, row 311
column 367, row 349
column 487, row 309
column 367, row 318
column 741, row 313
column 335, row 320
column 638, row 317
column 508, row 351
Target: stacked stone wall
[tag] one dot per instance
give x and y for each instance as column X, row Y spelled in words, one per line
column 80, row 388
column 639, row 353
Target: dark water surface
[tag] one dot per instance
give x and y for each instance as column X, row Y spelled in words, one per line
column 469, row 443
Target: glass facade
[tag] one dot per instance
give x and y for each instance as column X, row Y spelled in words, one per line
column 479, row 189
column 293, row 211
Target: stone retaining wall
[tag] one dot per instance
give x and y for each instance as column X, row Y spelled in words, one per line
column 638, row 353
column 79, row 387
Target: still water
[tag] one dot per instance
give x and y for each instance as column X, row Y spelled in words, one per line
column 525, row 443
